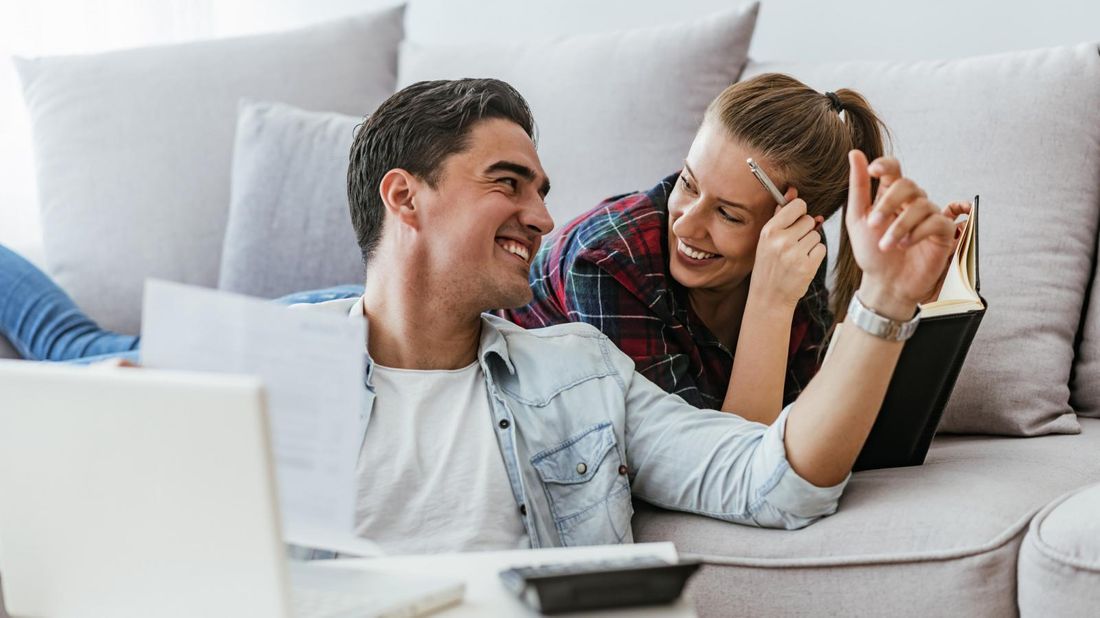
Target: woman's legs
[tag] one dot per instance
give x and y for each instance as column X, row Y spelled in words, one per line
column 43, row 323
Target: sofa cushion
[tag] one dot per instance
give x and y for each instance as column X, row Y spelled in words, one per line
column 1085, row 381
column 616, row 112
column 1023, row 130
column 133, row 147
column 905, row 541
column 1059, row 573
column 289, row 228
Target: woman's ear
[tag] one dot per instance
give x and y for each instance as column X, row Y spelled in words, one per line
column 398, row 190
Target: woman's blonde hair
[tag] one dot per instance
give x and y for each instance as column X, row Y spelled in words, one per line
column 804, row 136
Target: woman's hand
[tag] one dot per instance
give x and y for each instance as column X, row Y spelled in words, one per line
column 788, row 255
column 901, row 240
column 951, row 211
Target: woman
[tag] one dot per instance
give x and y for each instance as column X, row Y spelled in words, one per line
column 716, row 293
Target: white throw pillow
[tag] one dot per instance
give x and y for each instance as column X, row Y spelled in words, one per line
column 134, row 147
column 616, row 112
column 1023, row 131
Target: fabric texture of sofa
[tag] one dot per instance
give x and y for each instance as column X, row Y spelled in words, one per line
column 989, row 525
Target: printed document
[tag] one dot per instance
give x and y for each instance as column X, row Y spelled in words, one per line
column 312, row 366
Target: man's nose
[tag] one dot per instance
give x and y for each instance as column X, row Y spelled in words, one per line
column 536, row 217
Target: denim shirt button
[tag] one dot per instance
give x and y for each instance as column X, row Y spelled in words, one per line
column 523, row 510
column 504, row 424
column 623, row 469
column 582, row 468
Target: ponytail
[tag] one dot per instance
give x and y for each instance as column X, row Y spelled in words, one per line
column 867, row 134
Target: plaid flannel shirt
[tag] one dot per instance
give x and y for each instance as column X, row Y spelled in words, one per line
column 609, row 268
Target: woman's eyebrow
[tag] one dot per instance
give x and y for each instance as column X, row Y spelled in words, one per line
column 720, row 200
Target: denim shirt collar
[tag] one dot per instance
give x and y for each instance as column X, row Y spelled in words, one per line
column 492, row 343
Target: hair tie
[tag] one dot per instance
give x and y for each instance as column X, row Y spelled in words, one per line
column 835, row 100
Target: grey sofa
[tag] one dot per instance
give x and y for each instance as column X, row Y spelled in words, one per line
column 989, row 525
column 941, row 539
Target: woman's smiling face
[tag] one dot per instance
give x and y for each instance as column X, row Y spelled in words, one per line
column 716, row 213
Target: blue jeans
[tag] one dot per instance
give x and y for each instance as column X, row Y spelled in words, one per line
column 43, row 323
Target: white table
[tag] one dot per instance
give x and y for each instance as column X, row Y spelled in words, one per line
column 486, row 596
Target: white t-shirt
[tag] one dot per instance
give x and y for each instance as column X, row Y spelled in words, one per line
column 430, row 475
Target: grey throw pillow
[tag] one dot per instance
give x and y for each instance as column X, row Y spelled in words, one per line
column 134, row 147
column 289, row 228
column 616, row 112
column 1023, row 130
column 1085, row 383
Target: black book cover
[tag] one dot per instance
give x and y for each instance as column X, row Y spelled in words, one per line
column 919, row 390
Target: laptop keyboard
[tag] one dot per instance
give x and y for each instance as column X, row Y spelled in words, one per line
column 312, row 603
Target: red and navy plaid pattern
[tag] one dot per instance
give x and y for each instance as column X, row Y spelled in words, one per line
column 609, row 268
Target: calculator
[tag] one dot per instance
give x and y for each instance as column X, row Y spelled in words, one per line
column 599, row 584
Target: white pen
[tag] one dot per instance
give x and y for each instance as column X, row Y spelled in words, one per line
column 767, row 182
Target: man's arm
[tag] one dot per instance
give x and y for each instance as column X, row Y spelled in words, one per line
column 713, row 463
column 901, row 243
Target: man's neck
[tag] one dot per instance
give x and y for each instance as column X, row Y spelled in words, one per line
column 721, row 311
column 412, row 329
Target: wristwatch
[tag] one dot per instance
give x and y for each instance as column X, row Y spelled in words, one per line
column 880, row 326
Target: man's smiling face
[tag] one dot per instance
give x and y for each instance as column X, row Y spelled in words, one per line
column 485, row 218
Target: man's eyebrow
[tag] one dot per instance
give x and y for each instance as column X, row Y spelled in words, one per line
column 520, row 170
column 722, row 201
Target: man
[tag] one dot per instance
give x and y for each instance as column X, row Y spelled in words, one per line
column 481, row 435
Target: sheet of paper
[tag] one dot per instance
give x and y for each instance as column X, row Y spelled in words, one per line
column 312, row 366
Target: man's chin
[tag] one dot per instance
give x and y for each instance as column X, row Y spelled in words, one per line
column 517, row 299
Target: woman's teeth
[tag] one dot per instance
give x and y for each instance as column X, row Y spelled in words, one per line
column 695, row 254
column 514, row 248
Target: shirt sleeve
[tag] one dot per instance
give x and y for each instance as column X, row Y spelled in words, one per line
column 716, row 464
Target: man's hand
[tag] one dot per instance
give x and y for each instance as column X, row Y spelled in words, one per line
column 901, row 240
column 788, row 254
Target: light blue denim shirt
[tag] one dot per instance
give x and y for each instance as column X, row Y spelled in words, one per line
column 580, row 432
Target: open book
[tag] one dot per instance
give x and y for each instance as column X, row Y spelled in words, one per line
column 929, row 364
column 959, row 293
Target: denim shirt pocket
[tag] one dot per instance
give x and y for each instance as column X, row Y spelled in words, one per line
column 587, row 488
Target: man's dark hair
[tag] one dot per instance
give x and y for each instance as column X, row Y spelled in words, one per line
column 416, row 129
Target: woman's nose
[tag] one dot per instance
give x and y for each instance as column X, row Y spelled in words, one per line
column 688, row 223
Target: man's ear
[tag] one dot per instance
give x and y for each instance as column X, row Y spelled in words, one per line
column 398, row 190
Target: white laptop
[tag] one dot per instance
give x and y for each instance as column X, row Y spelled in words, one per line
column 137, row 492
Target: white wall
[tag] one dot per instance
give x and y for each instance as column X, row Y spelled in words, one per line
column 810, row 30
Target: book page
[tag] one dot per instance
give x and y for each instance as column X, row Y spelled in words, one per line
column 958, row 293
column 312, row 366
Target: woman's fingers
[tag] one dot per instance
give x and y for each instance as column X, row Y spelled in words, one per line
column 954, row 209
column 900, row 193
column 920, row 220
column 809, row 241
column 934, row 226
column 817, row 254
column 912, row 214
column 802, row 226
column 888, row 171
column 791, row 194
column 859, row 187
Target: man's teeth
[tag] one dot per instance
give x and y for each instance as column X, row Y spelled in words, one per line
column 514, row 248
column 694, row 253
